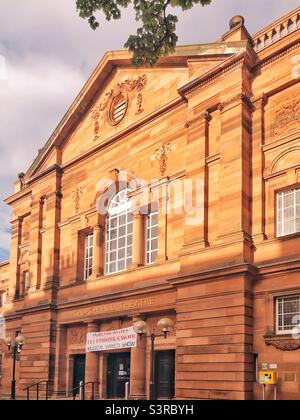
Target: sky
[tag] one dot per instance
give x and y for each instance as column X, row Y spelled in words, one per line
column 47, row 53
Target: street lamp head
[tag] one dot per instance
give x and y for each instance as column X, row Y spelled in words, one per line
column 9, row 342
column 165, row 325
column 140, row 327
column 19, row 341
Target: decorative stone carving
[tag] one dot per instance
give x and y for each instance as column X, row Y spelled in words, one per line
column 287, row 116
column 77, row 336
column 77, row 194
column 236, row 98
column 200, row 117
column 161, row 155
column 127, row 85
column 284, row 344
column 288, row 158
column 24, row 257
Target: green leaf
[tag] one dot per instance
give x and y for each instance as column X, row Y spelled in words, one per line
column 157, row 35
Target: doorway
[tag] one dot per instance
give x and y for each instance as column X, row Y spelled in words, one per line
column 78, row 370
column 165, row 374
column 118, row 373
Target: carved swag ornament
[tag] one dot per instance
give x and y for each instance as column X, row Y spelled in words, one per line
column 128, row 85
column 282, row 343
column 287, row 116
column 161, row 155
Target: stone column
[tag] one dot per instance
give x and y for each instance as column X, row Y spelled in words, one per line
column 60, row 385
column 92, row 364
column 258, row 183
column 195, row 230
column 98, row 266
column 50, row 278
column 14, row 283
column 35, row 251
column 161, row 195
column 138, row 368
column 138, row 250
column 235, row 173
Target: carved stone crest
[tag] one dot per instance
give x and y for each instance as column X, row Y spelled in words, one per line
column 127, row 85
column 287, row 116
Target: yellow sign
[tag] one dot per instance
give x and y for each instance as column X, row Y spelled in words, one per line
column 268, row 378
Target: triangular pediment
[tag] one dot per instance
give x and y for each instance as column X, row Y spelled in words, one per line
column 118, row 96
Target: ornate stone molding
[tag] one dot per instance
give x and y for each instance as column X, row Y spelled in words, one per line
column 161, row 155
column 204, row 116
column 273, row 170
column 287, row 116
column 77, row 336
column 277, row 56
column 282, row 343
column 235, row 99
column 196, row 85
column 24, row 257
column 127, row 85
column 260, row 102
column 77, row 194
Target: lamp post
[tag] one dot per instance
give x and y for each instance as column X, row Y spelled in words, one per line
column 15, row 346
column 164, row 325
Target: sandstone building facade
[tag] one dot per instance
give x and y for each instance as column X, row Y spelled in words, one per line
column 215, row 128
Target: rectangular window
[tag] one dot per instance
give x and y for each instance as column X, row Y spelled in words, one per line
column 287, row 314
column 88, row 256
column 119, row 240
column 152, row 237
column 288, row 212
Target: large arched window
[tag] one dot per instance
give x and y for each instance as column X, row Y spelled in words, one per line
column 119, row 232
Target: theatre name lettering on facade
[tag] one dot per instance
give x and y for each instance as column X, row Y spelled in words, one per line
column 170, row 192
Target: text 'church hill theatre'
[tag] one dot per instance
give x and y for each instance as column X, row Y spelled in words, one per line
column 168, row 198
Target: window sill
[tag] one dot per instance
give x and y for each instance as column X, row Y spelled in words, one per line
column 287, row 237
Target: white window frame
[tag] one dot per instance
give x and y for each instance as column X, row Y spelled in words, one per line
column 119, row 209
column 26, row 281
column 151, row 235
column 88, row 255
column 285, row 331
column 280, row 212
column 3, row 298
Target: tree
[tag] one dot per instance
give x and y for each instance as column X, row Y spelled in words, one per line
column 157, row 35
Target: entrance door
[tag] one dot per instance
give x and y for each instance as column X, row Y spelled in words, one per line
column 118, row 373
column 165, row 374
column 78, row 370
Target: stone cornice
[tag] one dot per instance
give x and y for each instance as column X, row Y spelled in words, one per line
column 277, row 55
column 279, row 267
column 240, row 97
column 226, row 66
column 202, row 117
column 228, row 271
column 18, row 196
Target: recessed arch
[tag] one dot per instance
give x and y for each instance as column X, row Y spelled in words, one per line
column 285, row 160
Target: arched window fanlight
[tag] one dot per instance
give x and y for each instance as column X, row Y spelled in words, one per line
column 119, row 233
